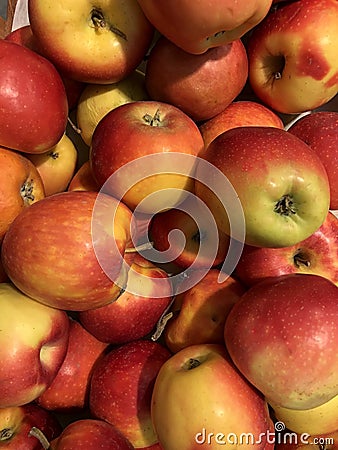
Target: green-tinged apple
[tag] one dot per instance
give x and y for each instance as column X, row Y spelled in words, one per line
column 322, row 419
column 83, row 179
column 200, row 85
column 200, row 401
column 282, row 336
column 101, row 43
column 34, row 340
column 68, row 251
column 56, row 166
column 199, row 312
column 159, row 141
column 97, row 100
column 198, row 26
column 136, row 312
column 320, row 131
column 121, row 389
column 318, row 254
column 239, row 113
column 90, row 434
column 69, row 389
column 17, row 421
column 20, row 186
column 292, row 53
column 34, row 108
column 280, row 181
column 201, row 246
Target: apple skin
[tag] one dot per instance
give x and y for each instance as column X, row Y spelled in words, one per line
column 34, row 109
column 69, row 389
column 93, row 44
column 132, row 316
column 319, row 131
column 184, row 80
column 282, row 336
column 56, row 166
column 201, row 378
column 71, row 277
column 90, row 434
column 198, row 26
column 32, row 335
column 17, row 421
column 317, row 255
column 293, row 57
column 128, row 372
column 146, row 129
column 238, row 114
column 257, row 162
column 200, row 311
column 83, row 179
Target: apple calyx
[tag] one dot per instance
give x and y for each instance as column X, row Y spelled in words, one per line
column 300, row 259
column 6, row 434
column 192, row 363
column 26, row 191
column 38, row 434
column 99, row 22
column 285, row 206
column 153, row 121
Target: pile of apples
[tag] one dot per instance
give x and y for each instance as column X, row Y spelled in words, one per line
column 168, row 228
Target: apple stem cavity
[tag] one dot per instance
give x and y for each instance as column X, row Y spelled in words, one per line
column 301, row 260
column 6, row 434
column 285, row 206
column 153, row 121
column 38, row 434
column 26, row 191
column 99, row 22
column 274, row 65
column 192, row 363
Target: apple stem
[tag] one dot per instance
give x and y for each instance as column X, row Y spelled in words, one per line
column 99, row 22
column 161, row 324
column 285, row 206
column 139, row 248
column 75, row 128
column 38, row 434
column 153, row 121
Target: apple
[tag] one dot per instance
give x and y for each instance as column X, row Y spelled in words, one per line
column 137, row 310
column 199, row 312
column 319, row 131
column 17, row 421
column 20, row 185
column 182, row 79
column 317, row 255
column 69, row 389
column 67, row 252
column 280, row 181
column 199, row 400
column 282, row 336
column 292, row 56
column 121, row 388
column 238, row 114
column 34, row 109
column 34, row 340
column 198, row 26
column 90, row 434
column 101, row 43
column 144, row 153
column 83, row 179
column 97, row 100
column 56, row 166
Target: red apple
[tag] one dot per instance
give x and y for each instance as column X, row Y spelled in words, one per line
column 135, row 313
column 200, row 311
column 69, row 389
column 184, row 80
column 200, row 401
column 67, row 252
column 144, row 153
column 90, row 434
column 320, row 131
column 318, row 254
column 280, row 181
column 33, row 345
column 17, row 421
column 292, row 55
column 282, row 336
column 238, row 114
column 34, row 109
column 198, row 26
column 121, row 388
column 101, row 43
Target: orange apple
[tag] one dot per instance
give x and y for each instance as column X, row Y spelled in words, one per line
column 83, row 179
